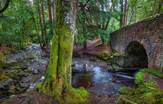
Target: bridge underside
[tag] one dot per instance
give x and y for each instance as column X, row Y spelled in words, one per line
column 137, row 55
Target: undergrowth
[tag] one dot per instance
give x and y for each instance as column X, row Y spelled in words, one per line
column 145, row 92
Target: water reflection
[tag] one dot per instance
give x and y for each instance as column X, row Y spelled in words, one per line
column 100, row 81
column 101, row 76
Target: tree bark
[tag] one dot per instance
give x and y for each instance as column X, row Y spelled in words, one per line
column 124, row 11
column 121, row 17
column 50, row 17
column 42, row 17
column 58, row 75
column 125, row 17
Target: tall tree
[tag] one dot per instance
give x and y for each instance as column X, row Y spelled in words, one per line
column 57, row 80
column 50, row 12
column 42, row 22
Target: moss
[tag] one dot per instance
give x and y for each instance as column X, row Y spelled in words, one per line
column 57, row 82
column 71, row 96
column 57, row 77
column 139, row 77
column 3, row 76
column 147, row 98
column 145, row 92
column 75, row 96
column 2, row 58
column 104, row 55
column 154, row 72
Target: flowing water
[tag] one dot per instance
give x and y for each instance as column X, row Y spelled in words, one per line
column 102, row 82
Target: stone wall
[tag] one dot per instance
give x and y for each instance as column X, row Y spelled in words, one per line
column 149, row 33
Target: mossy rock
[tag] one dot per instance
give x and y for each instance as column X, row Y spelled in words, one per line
column 2, row 58
column 3, row 76
column 75, row 96
column 114, row 67
column 30, row 56
column 104, row 55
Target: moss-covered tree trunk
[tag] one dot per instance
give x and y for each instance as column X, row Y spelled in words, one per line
column 57, row 78
column 57, row 82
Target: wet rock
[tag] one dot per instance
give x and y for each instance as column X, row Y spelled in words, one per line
column 25, row 82
column 119, row 60
column 5, row 84
column 24, row 68
column 6, row 87
column 114, row 67
column 81, row 65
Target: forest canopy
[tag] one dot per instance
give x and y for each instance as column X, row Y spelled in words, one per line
column 34, row 20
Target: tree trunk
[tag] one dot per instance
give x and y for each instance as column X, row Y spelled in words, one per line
column 121, row 17
column 50, row 10
column 50, row 17
column 57, row 82
column 125, row 17
column 43, row 22
column 159, row 4
column 124, row 11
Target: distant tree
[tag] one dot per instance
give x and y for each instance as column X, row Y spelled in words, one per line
column 97, row 19
column 141, row 9
column 124, row 13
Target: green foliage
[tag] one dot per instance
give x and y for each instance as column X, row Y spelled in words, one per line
column 145, row 92
column 139, row 77
column 3, row 76
column 2, row 57
column 18, row 26
column 57, row 74
column 141, row 9
column 99, row 21
column 75, row 96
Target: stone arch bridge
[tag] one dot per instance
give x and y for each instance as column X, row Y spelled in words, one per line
column 148, row 34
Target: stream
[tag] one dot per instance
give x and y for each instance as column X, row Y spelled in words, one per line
column 25, row 68
column 98, row 80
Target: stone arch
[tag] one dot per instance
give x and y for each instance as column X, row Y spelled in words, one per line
column 136, row 54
